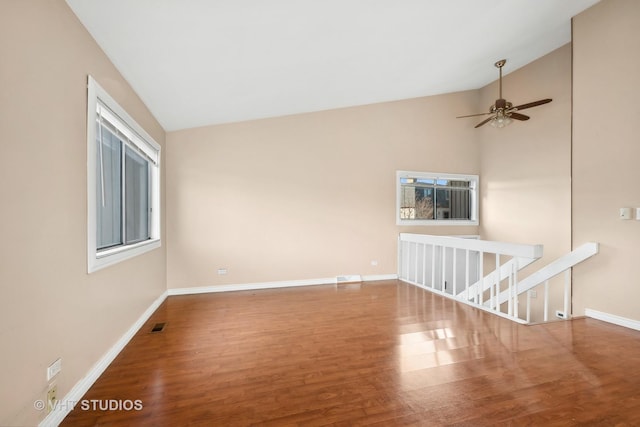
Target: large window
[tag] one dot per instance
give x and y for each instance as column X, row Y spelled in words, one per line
column 436, row 199
column 123, row 167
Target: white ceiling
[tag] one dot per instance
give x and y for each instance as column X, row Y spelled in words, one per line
column 202, row 62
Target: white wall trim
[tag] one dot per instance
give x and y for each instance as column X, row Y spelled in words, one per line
column 271, row 285
column 377, row 277
column 612, row 318
column 58, row 414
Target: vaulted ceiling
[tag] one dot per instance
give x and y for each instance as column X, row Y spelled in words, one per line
column 203, row 62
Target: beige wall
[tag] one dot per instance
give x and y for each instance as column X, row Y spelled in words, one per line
column 526, row 166
column 307, row 196
column 49, row 306
column 606, row 149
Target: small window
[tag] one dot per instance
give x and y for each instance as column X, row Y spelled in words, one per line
column 436, row 199
column 123, row 167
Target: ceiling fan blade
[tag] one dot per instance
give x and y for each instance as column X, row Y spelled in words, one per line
column 473, row 115
column 518, row 116
column 532, row 104
column 484, row 122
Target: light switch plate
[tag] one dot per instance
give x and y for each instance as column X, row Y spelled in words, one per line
column 625, row 213
column 54, row 369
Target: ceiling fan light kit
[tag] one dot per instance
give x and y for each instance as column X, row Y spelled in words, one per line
column 503, row 112
column 500, row 121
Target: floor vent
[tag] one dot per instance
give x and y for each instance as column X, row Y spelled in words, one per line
column 349, row 278
column 158, row 327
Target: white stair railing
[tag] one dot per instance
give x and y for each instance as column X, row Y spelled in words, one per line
column 504, row 272
column 454, row 267
column 542, row 277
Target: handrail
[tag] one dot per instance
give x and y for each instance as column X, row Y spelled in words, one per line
column 542, row 276
column 555, row 268
column 454, row 267
column 502, row 248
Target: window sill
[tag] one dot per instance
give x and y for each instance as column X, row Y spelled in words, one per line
column 113, row 256
column 436, row 222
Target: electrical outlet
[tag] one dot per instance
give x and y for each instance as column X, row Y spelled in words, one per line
column 374, row 262
column 222, row 271
column 625, row 213
column 560, row 314
column 54, row 369
column 534, row 294
column 52, row 398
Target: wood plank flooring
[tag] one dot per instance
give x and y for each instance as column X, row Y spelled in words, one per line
column 380, row 353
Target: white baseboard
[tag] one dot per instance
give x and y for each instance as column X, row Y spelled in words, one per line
column 58, row 414
column 271, row 285
column 612, row 318
column 377, row 277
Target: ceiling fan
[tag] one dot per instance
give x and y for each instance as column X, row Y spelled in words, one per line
column 502, row 111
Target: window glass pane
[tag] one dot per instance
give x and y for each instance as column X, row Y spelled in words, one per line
column 424, row 181
column 407, row 202
column 460, row 200
column 459, row 184
column 109, row 189
column 424, row 203
column 416, row 202
column 443, row 204
column 136, row 197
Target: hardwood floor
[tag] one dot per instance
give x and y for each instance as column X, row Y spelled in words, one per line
column 380, row 353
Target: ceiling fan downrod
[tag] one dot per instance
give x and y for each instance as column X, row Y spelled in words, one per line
column 500, row 64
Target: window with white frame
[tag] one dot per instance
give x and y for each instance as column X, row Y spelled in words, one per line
column 123, row 183
column 424, row 198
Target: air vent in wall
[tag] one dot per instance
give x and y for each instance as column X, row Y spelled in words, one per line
column 352, row 278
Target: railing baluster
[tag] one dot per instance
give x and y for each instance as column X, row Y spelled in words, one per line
column 424, row 266
column 515, row 289
column 433, row 267
column 466, row 276
column 529, row 306
column 443, row 276
column 546, row 300
column 567, row 292
column 510, row 293
column 480, row 289
column 455, row 268
column 495, row 287
column 407, row 258
column 401, row 258
column 415, row 273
